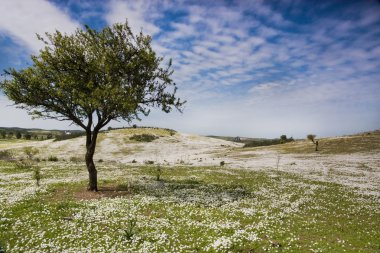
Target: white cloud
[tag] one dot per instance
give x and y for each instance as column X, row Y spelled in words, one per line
column 264, row 87
column 135, row 11
column 21, row 20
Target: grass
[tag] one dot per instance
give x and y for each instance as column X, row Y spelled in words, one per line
column 141, row 131
column 191, row 209
column 7, row 143
column 366, row 142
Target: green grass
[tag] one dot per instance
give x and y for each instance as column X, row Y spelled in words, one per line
column 192, row 209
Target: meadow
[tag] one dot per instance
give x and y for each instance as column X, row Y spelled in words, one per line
column 184, row 207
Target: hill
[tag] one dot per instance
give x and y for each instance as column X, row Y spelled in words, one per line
column 164, row 191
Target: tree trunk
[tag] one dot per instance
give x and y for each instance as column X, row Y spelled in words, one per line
column 90, row 151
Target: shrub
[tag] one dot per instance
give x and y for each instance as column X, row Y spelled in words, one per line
column 23, row 165
column 30, row 152
column 143, row 137
column 6, row 155
column 68, row 136
column 134, row 161
column 158, row 173
column 37, row 175
column 222, row 163
column 75, row 159
column 100, row 161
column 149, row 162
column 52, row 159
column 131, row 229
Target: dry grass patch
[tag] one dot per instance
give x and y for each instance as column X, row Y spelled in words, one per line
column 366, row 142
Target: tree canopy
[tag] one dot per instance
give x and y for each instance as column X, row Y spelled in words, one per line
column 112, row 73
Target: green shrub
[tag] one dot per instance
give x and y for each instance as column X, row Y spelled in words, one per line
column 158, row 173
column 143, row 137
column 30, row 152
column 131, row 229
column 37, row 175
column 52, row 159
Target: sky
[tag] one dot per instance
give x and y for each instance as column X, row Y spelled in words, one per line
column 246, row 68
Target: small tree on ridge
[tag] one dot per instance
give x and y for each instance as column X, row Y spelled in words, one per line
column 311, row 137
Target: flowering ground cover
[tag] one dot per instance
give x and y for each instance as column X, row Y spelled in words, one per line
column 190, row 209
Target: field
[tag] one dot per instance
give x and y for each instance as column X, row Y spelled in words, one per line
column 198, row 194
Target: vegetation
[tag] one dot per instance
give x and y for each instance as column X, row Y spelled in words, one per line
column 30, row 152
column 311, row 137
column 6, row 155
column 69, row 136
column 7, row 133
column 52, row 158
column 218, row 210
column 267, row 142
column 92, row 77
column 37, row 175
column 144, row 137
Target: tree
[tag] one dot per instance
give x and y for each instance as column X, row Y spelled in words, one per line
column 92, row 77
column 311, row 137
column 18, row 135
column 283, row 139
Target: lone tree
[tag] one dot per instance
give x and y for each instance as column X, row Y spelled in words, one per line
column 92, row 77
column 283, row 139
column 311, row 137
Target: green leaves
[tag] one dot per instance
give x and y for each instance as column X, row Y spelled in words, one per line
column 109, row 74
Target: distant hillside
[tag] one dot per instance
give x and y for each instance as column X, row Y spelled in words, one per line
column 254, row 142
column 35, row 133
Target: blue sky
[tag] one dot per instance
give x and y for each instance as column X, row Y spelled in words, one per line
column 246, row 68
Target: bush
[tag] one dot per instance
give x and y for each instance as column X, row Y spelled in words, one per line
column 23, row 165
column 68, row 136
column 30, row 152
column 75, row 159
column 53, row 159
column 222, row 163
column 143, row 137
column 149, row 162
column 37, row 175
column 6, row 155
